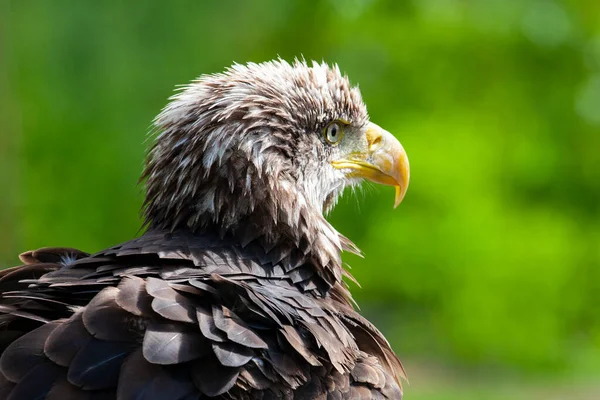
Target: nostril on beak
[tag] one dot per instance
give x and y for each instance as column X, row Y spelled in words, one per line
column 375, row 143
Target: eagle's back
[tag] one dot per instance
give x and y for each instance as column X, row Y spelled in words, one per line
column 181, row 316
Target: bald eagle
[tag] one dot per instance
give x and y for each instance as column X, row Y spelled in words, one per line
column 235, row 290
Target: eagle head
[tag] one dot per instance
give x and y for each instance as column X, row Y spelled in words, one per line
column 262, row 151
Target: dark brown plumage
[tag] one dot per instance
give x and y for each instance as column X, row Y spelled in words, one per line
column 235, row 291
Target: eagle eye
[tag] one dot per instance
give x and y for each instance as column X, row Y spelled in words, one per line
column 333, row 132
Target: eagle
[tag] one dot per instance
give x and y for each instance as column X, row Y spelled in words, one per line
column 235, row 289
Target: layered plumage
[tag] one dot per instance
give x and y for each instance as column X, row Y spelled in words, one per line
column 235, row 291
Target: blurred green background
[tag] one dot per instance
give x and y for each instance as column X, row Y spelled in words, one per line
column 486, row 279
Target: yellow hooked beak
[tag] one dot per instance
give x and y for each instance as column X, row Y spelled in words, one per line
column 384, row 161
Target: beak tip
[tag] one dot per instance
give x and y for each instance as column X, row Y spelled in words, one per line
column 400, row 192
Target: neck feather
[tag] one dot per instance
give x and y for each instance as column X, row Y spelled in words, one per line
column 240, row 201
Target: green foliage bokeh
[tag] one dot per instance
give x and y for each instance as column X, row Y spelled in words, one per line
column 492, row 260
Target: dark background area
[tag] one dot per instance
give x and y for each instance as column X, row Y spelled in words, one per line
column 486, row 280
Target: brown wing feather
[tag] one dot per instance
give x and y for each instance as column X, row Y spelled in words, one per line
column 154, row 319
